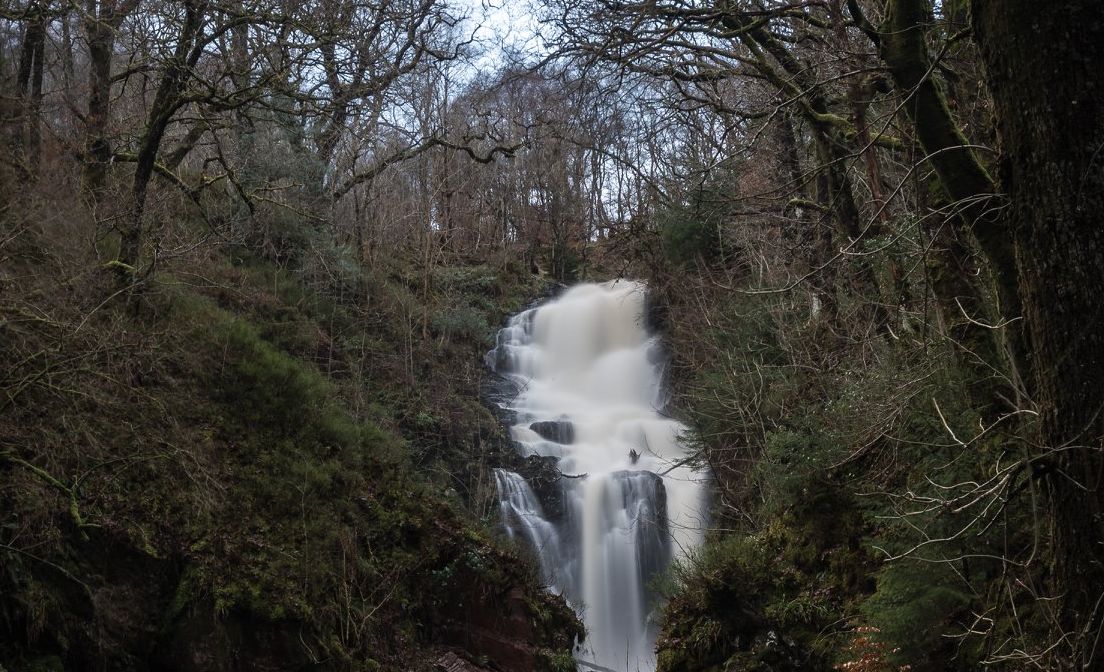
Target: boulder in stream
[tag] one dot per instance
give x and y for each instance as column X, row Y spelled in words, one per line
column 560, row 431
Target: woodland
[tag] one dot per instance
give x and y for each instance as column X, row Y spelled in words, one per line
column 252, row 254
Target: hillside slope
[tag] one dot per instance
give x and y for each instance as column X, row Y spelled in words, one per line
column 255, row 466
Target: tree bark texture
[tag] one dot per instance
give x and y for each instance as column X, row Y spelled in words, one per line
column 102, row 20
column 30, row 86
column 1044, row 70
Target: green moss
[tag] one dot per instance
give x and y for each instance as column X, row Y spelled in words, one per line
column 45, row 664
column 182, row 596
column 562, row 661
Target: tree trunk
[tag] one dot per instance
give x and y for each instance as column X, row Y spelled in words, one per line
column 840, row 200
column 811, row 233
column 166, row 102
column 821, row 243
column 834, row 153
column 1044, row 71
column 101, row 20
column 98, row 148
column 30, row 86
column 964, row 297
column 100, row 34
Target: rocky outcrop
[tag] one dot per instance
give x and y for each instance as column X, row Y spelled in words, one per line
column 544, row 477
column 510, row 628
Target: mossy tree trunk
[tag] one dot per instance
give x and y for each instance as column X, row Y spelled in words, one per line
column 1044, row 70
column 813, row 234
column 964, row 299
column 166, row 102
column 833, row 148
column 101, row 20
column 31, row 59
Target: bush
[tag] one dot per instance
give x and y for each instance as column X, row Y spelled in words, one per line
column 738, row 607
column 914, row 605
column 793, row 470
column 462, row 322
column 688, row 237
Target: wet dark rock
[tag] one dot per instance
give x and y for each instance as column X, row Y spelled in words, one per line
column 202, row 641
column 544, row 477
column 656, row 353
column 497, row 392
column 502, row 359
column 510, row 629
column 560, row 431
column 657, row 314
column 450, row 662
column 644, row 497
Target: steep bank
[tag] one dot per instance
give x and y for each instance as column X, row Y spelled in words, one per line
column 852, row 528
column 264, row 466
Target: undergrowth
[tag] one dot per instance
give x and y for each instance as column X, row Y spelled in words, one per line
column 251, row 461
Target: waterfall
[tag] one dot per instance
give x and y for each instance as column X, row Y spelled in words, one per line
column 588, row 394
column 521, row 514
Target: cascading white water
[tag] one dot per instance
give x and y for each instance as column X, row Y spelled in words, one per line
column 521, row 514
column 589, row 393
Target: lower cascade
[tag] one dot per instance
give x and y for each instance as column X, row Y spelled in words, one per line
column 623, row 504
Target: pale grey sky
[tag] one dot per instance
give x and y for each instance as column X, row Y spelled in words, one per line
column 504, row 26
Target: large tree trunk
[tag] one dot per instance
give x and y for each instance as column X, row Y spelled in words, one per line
column 839, row 199
column 101, row 20
column 30, row 86
column 101, row 44
column 1044, row 70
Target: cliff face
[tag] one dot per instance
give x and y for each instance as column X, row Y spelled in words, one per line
column 273, row 471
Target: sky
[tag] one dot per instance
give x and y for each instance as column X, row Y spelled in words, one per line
column 502, row 28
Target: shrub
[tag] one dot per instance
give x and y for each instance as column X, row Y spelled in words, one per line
column 462, row 322
column 912, row 608
column 689, row 237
